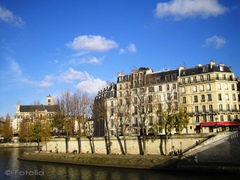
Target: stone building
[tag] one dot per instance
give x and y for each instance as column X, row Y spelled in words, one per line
column 29, row 112
column 208, row 93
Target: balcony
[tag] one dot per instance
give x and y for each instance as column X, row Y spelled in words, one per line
column 206, row 80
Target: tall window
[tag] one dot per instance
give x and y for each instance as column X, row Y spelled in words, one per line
column 184, row 100
column 219, row 86
column 142, row 109
column 229, row 117
column 227, row 97
column 201, row 78
column 209, row 87
column 120, row 93
column 210, row 108
column 195, row 99
column 209, row 97
column 217, row 78
column 120, row 87
column 202, row 98
column 168, row 87
column 183, row 80
column 160, row 88
column 189, row 80
column 120, row 102
column 221, row 117
column 211, row 119
column 175, row 95
column 196, row 109
column 219, row 96
column 220, row 107
column 174, row 86
column 204, row 118
column 194, row 79
column 204, row 109
column 194, row 88
column 208, row 77
column 224, row 77
column 228, row 107
column 233, row 87
column 226, row 87
column 234, row 97
column 183, row 90
column 202, row 88
column 197, row 118
column 126, row 85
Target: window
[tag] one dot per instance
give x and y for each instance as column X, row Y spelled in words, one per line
column 221, row 68
column 235, row 107
column 126, row 93
column 217, row 78
column 233, row 87
column 204, row 118
column 210, row 108
column 202, row 88
column 134, row 84
column 168, row 96
column 135, row 100
column 183, row 80
column 234, row 97
column 189, row 80
column 120, row 102
column 175, row 95
column 221, row 117
column 150, row 99
column 174, row 86
column 135, row 91
column 183, row 90
column 126, row 85
column 151, row 89
column 196, row 109
column 168, row 87
column 209, row 97
column 219, row 86
column 120, row 93
column 140, row 83
column 140, row 75
column 211, row 119
column 228, row 107
column 112, row 112
column 204, row 109
column 150, row 108
column 194, row 79
column 220, row 108
column 197, row 118
column 135, row 109
column 209, row 87
column 160, row 107
column 120, row 86
column 224, row 77
column 194, row 88
column 226, row 87
column 201, row 78
column 160, row 88
column 229, row 117
column 202, row 98
column 208, row 77
column 195, row 99
column 111, row 103
column 219, row 96
column 184, row 100
column 227, row 97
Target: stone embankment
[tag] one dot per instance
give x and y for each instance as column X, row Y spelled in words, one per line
column 125, row 161
column 18, row 145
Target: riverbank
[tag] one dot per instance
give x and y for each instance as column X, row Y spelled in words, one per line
column 131, row 161
column 18, row 145
column 125, row 161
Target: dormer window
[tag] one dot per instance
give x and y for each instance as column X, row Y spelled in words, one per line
column 221, row 68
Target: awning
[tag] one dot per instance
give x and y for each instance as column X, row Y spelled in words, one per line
column 219, row 124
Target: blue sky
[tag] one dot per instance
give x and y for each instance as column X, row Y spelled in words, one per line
column 47, row 46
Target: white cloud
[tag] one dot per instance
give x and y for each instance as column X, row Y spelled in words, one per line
column 15, row 68
column 87, row 60
column 92, row 43
column 218, row 41
column 44, row 83
column 92, row 85
column 71, row 75
column 131, row 48
column 180, row 9
column 56, row 61
column 7, row 16
column 121, row 51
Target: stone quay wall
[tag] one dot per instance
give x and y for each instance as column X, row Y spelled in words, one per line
column 154, row 146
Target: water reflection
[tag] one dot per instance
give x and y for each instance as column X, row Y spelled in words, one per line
column 56, row 171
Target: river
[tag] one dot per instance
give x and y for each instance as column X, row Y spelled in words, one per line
column 12, row 168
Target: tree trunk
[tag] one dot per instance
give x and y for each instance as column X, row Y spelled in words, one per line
column 38, row 144
column 79, row 145
column 109, row 145
column 93, row 146
column 125, row 144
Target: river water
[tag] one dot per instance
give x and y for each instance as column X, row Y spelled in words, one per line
column 12, row 168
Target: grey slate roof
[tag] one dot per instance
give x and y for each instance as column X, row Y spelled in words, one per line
column 33, row 108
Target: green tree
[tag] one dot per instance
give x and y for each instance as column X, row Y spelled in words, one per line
column 7, row 129
column 181, row 120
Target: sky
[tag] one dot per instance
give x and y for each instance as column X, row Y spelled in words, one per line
column 47, row 47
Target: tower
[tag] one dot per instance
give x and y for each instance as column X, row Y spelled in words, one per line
column 49, row 100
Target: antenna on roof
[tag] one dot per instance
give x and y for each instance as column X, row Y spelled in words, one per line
column 184, row 64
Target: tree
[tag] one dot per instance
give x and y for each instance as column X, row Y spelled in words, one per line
column 39, row 131
column 7, row 129
column 23, row 132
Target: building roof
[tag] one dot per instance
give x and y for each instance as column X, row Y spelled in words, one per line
column 33, row 108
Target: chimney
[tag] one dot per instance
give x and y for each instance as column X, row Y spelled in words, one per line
column 199, row 64
column 212, row 63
